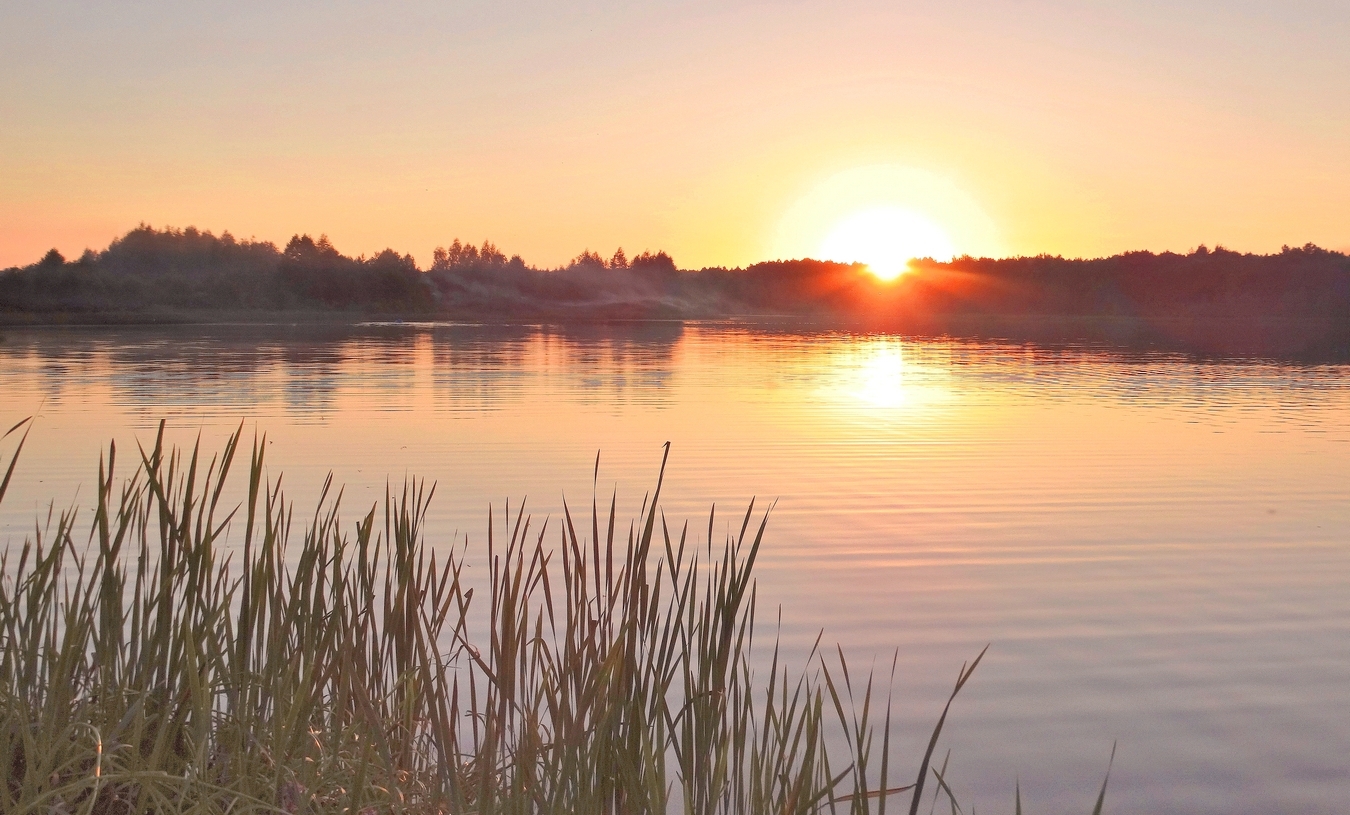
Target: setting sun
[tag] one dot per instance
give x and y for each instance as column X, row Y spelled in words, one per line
column 883, row 215
column 886, row 239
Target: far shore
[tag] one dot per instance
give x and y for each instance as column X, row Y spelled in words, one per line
column 1294, row 304
column 1274, row 337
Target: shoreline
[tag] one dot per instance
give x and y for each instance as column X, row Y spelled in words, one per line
column 1278, row 338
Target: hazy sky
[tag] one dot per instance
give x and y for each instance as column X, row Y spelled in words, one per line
column 704, row 128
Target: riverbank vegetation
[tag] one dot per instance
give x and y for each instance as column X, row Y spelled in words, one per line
column 197, row 657
column 1295, row 303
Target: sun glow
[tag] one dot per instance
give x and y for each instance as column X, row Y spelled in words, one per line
column 886, row 239
column 883, row 215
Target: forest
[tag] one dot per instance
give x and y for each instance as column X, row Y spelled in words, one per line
column 1292, row 303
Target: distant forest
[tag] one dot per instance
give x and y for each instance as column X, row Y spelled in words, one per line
column 1294, row 303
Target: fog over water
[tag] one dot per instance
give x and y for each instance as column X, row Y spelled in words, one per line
column 1154, row 545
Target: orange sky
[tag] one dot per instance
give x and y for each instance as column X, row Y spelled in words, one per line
column 706, row 129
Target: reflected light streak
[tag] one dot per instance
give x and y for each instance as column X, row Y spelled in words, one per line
column 879, row 375
column 883, row 379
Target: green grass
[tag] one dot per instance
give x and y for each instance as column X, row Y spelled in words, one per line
column 193, row 657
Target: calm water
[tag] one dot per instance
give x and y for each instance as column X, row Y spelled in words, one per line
column 1156, row 547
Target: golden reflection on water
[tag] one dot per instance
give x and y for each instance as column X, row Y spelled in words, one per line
column 880, row 373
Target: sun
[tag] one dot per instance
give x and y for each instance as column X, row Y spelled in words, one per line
column 886, row 239
column 882, row 215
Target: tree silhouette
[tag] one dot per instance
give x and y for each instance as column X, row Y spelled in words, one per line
column 1213, row 300
column 587, row 259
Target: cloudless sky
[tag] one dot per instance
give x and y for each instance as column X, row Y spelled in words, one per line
column 1079, row 128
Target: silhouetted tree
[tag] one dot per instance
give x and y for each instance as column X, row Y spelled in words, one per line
column 659, row 262
column 587, row 259
column 459, row 255
column 314, row 272
column 489, row 254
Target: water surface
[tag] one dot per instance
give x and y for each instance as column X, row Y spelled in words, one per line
column 1154, row 545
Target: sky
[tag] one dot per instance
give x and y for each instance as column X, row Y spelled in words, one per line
column 722, row 132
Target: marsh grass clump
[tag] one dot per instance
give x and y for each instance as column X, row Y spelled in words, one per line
column 193, row 657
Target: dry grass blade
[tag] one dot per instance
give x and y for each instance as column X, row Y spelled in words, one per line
column 306, row 668
column 1101, row 796
column 961, row 680
column 14, row 457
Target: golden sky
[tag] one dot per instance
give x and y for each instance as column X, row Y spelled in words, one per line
column 722, row 132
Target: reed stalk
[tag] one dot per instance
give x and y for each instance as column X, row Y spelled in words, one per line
column 194, row 657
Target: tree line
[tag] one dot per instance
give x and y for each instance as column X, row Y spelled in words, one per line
column 179, row 273
column 1291, row 302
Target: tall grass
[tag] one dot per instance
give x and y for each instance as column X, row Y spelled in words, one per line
column 194, row 657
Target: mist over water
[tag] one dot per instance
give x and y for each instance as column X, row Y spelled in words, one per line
column 1154, row 545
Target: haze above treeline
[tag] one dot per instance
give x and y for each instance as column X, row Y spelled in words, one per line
column 1293, row 303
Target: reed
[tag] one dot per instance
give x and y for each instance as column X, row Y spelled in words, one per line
column 194, row 657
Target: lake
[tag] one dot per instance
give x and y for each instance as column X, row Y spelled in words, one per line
column 1154, row 546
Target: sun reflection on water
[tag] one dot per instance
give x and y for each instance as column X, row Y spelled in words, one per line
column 883, row 374
column 883, row 378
